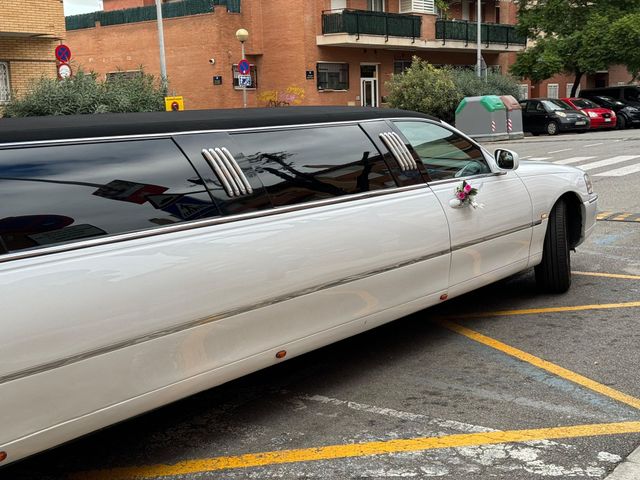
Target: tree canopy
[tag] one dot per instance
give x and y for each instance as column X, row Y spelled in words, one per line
column 578, row 37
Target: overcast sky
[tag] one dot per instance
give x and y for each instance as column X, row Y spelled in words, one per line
column 74, row 7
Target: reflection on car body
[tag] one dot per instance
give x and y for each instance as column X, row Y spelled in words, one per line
column 172, row 252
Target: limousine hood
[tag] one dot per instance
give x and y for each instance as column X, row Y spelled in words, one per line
column 530, row 168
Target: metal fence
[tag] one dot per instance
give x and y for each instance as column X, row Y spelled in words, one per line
column 467, row 31
column 142, row 14
column 362, row 22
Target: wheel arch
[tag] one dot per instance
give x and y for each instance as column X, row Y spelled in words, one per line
column 575, row 218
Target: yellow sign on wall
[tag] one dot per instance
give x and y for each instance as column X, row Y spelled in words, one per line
column 173, row 104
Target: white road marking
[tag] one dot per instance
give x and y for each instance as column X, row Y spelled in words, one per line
column 608, row 161
column 539, row 159
column 459, row 462
column 619, row 172
column 568, row 161
column 563, row 150
column 593, row 145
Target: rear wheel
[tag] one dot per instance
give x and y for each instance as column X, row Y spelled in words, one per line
column 553, row 275
column 551, row 128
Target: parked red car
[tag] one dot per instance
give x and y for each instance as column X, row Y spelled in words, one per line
column 600, row 117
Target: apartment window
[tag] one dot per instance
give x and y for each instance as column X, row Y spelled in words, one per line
column 552, row 90
column 417, row 6
column 375, row 5
column 569, row 88
column 5, row 87
column 400, row 66
column 524, row 91
column 333, row 76
column 253, row 72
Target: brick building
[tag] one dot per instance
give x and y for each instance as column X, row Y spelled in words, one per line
column 341, row 52
column 29, row 33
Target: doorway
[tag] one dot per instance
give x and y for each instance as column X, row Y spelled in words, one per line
column 369, row 85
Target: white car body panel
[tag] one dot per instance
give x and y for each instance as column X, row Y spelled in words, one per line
column 210, row 268
column 112, row 330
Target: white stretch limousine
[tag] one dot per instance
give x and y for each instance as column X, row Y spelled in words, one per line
column 147, row 257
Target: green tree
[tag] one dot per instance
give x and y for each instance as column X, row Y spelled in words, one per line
column 570, row 36
column 85, row 93
column 624, row 35
column 424, row 88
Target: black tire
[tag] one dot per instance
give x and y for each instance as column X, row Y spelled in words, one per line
column 551, row 128
column 622, row 122
column 553, row 275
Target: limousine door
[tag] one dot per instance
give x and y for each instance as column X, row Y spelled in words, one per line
column 342, row 249
column 492, row 240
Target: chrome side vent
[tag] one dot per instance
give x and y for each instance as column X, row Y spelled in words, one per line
column 399, row 150
column 231, row 176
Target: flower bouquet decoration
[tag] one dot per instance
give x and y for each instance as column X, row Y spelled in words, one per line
column 465, row 195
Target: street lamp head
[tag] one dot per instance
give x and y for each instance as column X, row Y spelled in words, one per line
column 242, row 35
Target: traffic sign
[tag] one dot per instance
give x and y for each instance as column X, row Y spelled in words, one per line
column 173, row 104
column 63, row 53
column 64, row 70
column 244, row 67
column 244, row 81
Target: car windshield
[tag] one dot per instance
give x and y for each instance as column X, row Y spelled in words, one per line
column 611, row 100
column 555, row 105
column 584, row 103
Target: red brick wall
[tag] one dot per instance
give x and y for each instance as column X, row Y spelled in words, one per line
column 282, row 44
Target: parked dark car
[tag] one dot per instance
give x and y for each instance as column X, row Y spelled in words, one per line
column 627, row 93
column 628, row 116
column 600, row 117
column 551, row 116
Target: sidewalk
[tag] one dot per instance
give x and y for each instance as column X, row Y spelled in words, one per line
column 629, row 469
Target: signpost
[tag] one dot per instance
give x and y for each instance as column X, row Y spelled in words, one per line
column 63, row 53
column 243, row 67
column 64, row 71
column 174, row 104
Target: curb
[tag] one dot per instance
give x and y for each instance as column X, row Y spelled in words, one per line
column 629, row 469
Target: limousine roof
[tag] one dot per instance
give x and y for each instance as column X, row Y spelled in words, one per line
column 115, row 124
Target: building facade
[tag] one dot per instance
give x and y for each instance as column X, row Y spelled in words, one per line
column 29, row 32
column 339, row 52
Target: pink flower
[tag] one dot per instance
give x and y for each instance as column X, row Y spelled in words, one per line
column 461, row 195
column 467, row 188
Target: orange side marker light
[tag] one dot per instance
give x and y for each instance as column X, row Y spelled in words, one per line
column 281, row 354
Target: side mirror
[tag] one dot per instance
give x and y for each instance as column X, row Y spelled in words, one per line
column 507, row 159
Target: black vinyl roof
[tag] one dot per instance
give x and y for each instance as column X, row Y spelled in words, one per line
column 115, row 124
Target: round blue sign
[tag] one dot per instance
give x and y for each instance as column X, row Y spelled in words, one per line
column 63, row 53
column 243, row 67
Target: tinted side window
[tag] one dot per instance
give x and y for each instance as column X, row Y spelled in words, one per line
column 444, row 153
column 60, row 194
column 303, row 165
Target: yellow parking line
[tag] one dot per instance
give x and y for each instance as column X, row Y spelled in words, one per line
column 358, row 450
column 530, row 311
column 608, row 275
column 543, row 364
column 621, row 217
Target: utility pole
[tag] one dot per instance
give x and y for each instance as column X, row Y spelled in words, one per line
column 163, row 61
column 479, row 40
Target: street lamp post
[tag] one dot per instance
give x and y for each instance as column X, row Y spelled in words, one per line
column 163, row 62
column 479, row 39
column 242, row 35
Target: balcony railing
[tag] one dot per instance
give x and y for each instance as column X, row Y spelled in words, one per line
column 141, row 14
column 363, row 22
column 467, row 32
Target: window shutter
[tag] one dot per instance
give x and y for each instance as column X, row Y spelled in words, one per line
column 417, row 6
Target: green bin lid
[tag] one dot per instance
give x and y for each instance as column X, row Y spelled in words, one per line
column 463, row 103
column 492, row 103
